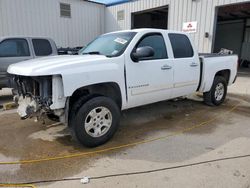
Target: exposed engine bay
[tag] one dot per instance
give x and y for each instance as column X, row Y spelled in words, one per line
column 34, row 96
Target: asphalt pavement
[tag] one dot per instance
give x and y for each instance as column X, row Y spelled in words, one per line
column 181, row 143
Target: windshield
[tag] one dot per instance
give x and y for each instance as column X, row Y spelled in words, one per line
column 110, row 45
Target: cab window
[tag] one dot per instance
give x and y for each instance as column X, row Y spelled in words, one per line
column 42, row 47
column 181, row 46
column 14, row 48
column 156, row 41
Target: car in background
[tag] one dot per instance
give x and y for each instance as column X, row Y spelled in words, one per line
column 17, row 49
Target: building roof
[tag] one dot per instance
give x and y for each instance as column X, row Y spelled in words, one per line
column 110, row 2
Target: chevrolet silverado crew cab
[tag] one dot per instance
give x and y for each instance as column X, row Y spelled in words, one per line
column 118, row 71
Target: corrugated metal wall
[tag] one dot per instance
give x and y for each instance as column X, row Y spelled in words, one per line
column 202, row 11
column 42, row 18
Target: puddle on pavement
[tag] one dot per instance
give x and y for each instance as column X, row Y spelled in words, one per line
column 29, row 140
column 51, row 133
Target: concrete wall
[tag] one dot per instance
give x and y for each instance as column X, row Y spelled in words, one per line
column 42, row 18
column 202, row 11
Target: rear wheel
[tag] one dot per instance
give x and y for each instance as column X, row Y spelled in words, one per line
column 218, row 92
column 96, row 121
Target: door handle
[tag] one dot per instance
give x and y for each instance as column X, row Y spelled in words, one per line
column 166, row 67
column 193, row 64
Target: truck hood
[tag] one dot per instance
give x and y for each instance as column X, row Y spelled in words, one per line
column 55, row 64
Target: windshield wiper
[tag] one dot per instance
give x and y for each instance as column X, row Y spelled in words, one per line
column 92, row 53
column 95, row 53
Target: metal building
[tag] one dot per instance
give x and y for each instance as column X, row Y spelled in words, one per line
column 70, row 23
column 212, row 24
column 217, row 23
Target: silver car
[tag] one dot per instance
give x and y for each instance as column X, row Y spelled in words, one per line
column 16, row 49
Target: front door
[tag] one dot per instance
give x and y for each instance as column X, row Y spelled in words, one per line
column 150, row 80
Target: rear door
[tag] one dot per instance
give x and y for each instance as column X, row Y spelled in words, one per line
column 149, row 80
column 186, row 65
column 12, row 51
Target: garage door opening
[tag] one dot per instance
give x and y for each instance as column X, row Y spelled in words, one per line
column 153, row 18
column 233, row 31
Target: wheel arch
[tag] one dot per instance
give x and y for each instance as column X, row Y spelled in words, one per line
column 209, row 80
column 107, row 89
column 226, row 73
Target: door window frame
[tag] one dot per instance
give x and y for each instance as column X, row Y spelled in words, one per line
column 51, row 48
column 189, row 43
column 143, row 37
column 10, row 39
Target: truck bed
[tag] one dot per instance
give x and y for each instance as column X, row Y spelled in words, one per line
column 207, row 55
column 211, row 64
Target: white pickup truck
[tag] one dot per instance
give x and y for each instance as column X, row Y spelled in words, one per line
column 118, row 71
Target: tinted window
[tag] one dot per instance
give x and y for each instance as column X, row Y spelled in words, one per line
column 155, row 41
column 14, row 48
column 42, row 47
column 181, row 45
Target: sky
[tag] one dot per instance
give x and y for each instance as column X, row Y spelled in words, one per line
column 109, row 2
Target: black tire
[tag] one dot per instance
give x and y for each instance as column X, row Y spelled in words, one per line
column 210, row 97
column 79, row 120
column 75, row 107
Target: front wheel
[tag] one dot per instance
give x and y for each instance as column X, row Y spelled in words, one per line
column 218, row 92
column 96, row 121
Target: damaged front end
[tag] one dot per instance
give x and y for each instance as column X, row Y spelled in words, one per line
column 34, row 96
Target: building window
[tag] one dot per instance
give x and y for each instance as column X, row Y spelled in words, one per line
column 120, row 15
column 65, row 10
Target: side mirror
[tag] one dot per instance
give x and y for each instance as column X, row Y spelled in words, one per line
column 142, row 53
